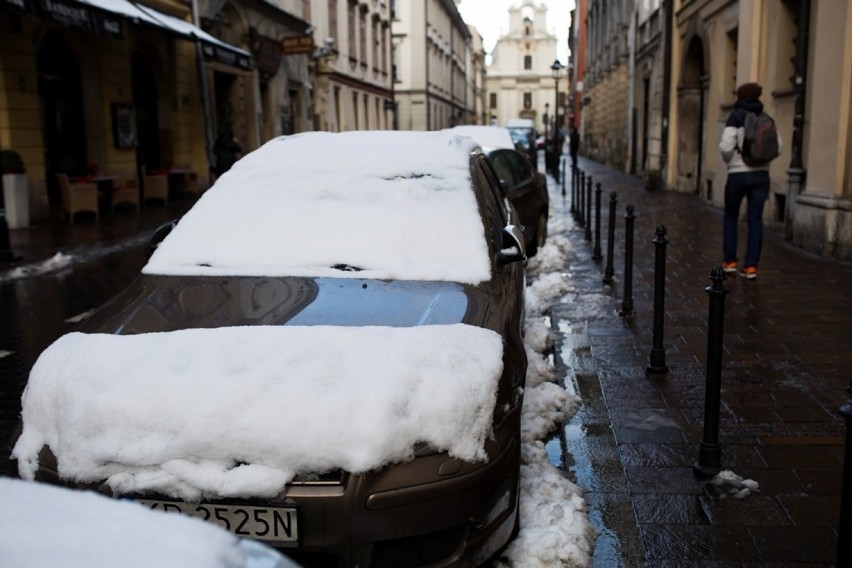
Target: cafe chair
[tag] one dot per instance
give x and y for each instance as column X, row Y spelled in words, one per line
column 187, row 180
column 125, row 191
column 77, row 197
column 156, row 186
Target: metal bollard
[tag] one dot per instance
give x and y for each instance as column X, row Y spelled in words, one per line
column 657, row 359
column 710, row 451
column 596, row 252
column 627, row 301
column 563, row 176
column 588, row 234
column 575, row 175
column 844, row 529
column 610, row 243
column 582, row 192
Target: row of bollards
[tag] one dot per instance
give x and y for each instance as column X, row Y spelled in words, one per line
column 709, row 459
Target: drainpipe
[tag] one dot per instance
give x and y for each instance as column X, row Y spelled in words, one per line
column 796, row 172
column 631, row 94
column 205, row 98
column 667, row 85
column 426, row 85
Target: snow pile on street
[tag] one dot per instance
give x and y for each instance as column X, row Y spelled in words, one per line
column 555, row 529
column 57, row 262
column 739, row 487
column 207, row 393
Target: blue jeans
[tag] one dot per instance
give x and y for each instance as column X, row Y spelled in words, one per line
column 754, row 186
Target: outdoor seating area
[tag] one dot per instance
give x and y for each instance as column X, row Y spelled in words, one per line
column 77, row 196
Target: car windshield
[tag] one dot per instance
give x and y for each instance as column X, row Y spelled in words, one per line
column 405, row 198
column 520, row 136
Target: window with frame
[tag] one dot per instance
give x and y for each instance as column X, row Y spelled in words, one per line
column 527, row 62
column 492, row 100
column 362, row 36
column 527, row 100
column 332, row 19
column 352, row 17
column 787, row 29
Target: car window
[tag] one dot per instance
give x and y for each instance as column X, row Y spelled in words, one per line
column 503, row 167
column 518, row 164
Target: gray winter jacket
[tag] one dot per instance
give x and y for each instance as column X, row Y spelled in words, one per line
column 732, row 136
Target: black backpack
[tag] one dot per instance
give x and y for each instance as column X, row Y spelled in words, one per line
column 760, row 142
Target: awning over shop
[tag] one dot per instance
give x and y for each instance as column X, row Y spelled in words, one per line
column 107, row 17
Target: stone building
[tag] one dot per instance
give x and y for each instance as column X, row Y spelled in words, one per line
column 432, row 52
column 476, row 74
column 659, row 85
column 520, row 81
column 606, row 82
column 352, row 58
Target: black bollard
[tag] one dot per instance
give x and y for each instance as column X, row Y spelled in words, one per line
column 574, row 177
column 610, row 243
column 657, row 359
column 582, row 191
column 627, row 301
column 844, row 529
column 596, row 252
column 588, row 234
column 563, row 176
column 710, row 452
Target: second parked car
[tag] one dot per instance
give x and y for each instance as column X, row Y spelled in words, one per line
column 523, row 185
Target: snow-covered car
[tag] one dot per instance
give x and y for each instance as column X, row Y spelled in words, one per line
column 525, row 187
column 324, row 354
column 44, row 525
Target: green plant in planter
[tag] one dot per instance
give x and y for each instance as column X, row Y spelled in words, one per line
column 11, row 162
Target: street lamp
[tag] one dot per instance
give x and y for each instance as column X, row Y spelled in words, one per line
column 556, row 70
column 546, row 123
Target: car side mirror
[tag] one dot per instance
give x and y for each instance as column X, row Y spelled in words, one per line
column 514, row 249
column 160, row 233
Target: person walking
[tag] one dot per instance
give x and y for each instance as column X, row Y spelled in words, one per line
column 574, row 141
column 746, row 180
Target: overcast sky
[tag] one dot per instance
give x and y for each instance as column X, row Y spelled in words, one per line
column 491, row 18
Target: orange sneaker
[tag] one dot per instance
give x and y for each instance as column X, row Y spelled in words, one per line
column 749, row 272
column 729, row 266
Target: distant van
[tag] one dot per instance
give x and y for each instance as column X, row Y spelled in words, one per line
column 522, row 131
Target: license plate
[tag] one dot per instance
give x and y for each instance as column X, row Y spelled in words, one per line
column 275, row 524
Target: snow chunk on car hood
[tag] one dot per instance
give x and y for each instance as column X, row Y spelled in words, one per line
column 239, row 411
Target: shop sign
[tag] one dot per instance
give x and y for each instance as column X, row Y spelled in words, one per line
column 76, row 15
column 297, row 45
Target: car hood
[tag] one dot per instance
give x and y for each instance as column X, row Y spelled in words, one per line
column 168, row 303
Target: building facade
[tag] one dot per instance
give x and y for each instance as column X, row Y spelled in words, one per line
column 432, row 53
column 520, row 81
column 352, row 62
column 476, row 75
column 666, row 72
column 139, row 87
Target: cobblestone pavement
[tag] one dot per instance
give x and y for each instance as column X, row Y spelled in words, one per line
column 786, row 363
column 786, row 360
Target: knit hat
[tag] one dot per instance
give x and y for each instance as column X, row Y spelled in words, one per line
column 749, row 91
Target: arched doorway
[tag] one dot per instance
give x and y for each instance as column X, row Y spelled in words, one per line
column 691, row 116
column 145, row 102
column 61, row 104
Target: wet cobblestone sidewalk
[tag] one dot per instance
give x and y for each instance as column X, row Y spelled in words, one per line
column 787, row 355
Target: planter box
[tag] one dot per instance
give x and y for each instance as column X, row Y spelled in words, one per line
column 16, row 197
